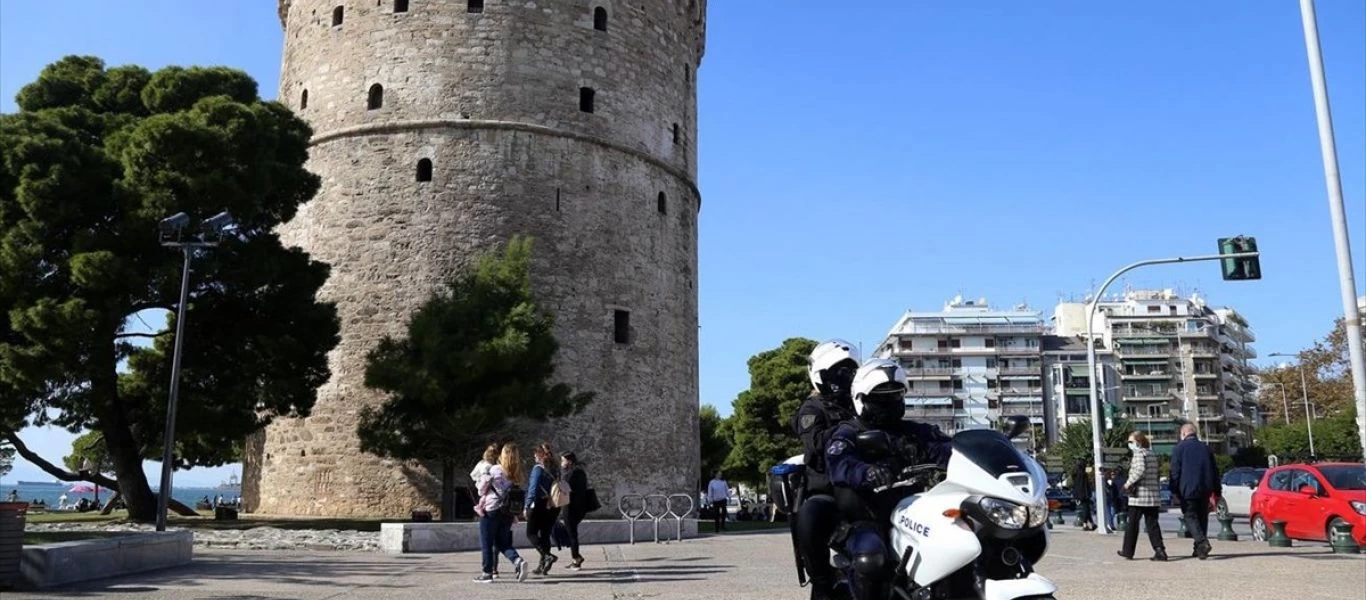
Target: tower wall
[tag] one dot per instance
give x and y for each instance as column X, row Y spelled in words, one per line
column 492, row 99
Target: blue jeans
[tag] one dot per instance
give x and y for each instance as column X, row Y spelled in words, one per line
column 495, row 535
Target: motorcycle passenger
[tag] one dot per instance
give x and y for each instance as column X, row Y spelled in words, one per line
column 879, row 394
column 832, row 368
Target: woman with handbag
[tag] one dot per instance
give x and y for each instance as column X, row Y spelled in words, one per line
column 576, row 482
column 538, row 511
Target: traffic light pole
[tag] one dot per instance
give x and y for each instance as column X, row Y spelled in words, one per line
column 1096, row 442
column 1346, row 283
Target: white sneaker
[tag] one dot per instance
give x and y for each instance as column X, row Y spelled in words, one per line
column 484, row 578
column 521, row 569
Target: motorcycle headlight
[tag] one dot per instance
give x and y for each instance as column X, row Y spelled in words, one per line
column 1359, row 506
column 1038, row 514
column 1005, row 514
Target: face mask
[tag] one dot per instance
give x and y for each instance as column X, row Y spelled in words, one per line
column 1133, row 446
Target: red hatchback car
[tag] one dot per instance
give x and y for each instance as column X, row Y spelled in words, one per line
column 1311, row 499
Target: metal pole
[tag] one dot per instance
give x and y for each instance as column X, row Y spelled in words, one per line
column 1285, row 404
column 1308, row 415
column 168, row 441
column 1346, row 283
column 1098, row 458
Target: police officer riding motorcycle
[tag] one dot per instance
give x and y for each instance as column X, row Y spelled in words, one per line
column 832, row 368
column 879, row 398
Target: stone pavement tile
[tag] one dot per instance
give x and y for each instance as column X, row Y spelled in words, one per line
column 744, row 567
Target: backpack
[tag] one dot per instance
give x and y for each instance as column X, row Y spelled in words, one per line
column 559, row 496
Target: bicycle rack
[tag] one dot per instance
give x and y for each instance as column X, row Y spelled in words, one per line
column 656, row 516
column 678, row 519
column 631, row 516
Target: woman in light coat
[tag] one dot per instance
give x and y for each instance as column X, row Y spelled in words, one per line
column 1144, row 499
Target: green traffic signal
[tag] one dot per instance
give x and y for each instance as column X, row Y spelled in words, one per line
column 1239, row 269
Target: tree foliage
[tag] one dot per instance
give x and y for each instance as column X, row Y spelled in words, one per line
column 1075, row 441
column 92, row 161
column 715, row 441
column 87, row 451
column 1334, row 437
column 1327, row 377
column 761, row 424
column 6, row 458
column 478, row 354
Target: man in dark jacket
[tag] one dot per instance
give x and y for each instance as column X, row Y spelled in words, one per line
column 1194, row 477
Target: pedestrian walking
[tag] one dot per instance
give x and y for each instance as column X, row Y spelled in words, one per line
column 1083, row 494
column 538, row 511
column 1144, row 498
column 495, row 526
column 577, row 482
column 718, row 494
column 1195, row 478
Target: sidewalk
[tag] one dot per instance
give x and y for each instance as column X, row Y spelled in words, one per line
column 751, row 566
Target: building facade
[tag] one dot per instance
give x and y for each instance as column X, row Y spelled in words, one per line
column 440, row 130
column 1067, row 383
column 1176, row 360
column 970, row 365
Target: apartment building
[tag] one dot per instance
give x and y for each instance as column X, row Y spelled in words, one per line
column 1067, row 382
column 1176, row 360
column 969, row 365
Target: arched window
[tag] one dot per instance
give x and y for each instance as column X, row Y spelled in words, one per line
column 400, row 6
column 475, row 6
column 600, row 19
column 675, row 133
column 337, row 16
column 375, row 98
column 424, row 169
column 586, row 99
column 663, row 203
column 303, row 100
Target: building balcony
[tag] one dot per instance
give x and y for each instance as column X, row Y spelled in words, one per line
column 1126, row 351
column 1211, row 418
column 1205, row 375
column 1034, row 371
column 1020, row 391
column 1203, row 332
column 1023, row 410
column 1204, row 352
column 1017, row 350
column 983, row 329
column 930, row 411
column 1147, row 375
column 1215, row 438
column 1142, row 333
column 931, row 372
column 1147, row 396
column 928, row 393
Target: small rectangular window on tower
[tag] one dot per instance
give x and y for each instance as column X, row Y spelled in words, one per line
column 586, row 99
column 621, row 326
column 475, row 6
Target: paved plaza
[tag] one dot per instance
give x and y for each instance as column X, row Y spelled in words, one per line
column 749, row 566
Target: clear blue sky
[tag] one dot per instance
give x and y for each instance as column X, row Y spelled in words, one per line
column 859, row 161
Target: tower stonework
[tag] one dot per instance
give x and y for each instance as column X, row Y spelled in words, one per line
column 441, row 129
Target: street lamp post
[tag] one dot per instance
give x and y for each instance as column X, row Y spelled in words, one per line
column 1285, row 404
column 1304, row 393
column 173, row 236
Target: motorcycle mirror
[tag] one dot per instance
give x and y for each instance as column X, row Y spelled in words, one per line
column 1018, row 425
column 874, row 442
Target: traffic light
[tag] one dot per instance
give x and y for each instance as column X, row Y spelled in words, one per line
column 1238, row 269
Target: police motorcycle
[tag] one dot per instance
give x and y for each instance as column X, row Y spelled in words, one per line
column 980, row 528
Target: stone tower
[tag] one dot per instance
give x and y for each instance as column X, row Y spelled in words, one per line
column 443, row 127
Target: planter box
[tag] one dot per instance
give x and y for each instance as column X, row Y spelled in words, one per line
column 406, row 538
column 69, row 562
column 12, row 515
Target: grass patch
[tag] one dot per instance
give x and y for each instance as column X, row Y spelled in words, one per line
column 34, row 538
column 75, row 517
column 736, row 526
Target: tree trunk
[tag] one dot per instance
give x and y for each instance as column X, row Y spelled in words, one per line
column 448, row 491
column 127, row 461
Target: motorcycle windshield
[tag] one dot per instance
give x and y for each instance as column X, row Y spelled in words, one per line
column 991, row 451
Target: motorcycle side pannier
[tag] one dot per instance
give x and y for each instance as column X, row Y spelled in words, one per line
column 784, row 481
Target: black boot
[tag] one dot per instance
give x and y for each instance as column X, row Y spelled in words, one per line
column 1160, row 555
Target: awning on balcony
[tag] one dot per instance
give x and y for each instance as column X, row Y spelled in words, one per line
column 1139, row 341
column 1078, row 370
column 1146, row 361
column 931, row 401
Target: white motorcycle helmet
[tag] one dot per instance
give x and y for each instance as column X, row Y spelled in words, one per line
column 833, row 363
column 879, row 391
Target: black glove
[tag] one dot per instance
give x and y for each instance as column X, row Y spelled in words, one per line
column 878, row 476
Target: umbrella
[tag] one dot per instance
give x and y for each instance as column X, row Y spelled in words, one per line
column 82, row 488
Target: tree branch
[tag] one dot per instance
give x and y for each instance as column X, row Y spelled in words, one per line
column 141, row 306
column 53, row 470
column 142, row 335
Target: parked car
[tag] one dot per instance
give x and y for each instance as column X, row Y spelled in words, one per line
column 1311, row 499
column 1238, row 484
column 1063, row 497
